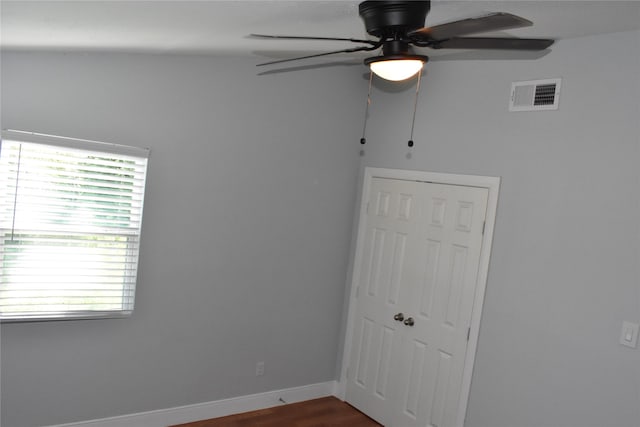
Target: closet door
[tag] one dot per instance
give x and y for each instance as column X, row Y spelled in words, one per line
column 439, row 302
column 415, row 291
column 387, row 253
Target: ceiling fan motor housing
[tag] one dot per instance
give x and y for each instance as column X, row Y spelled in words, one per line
column 387, row 18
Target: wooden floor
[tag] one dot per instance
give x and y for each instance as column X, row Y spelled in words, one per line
column 324, row 412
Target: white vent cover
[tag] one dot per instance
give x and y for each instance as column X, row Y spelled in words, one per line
column 535, row 95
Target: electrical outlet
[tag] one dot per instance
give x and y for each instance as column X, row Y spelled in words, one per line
column 259, row 369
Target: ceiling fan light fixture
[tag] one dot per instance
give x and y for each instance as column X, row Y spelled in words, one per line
column 396, row 68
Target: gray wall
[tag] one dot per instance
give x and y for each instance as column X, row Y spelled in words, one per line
column 564, row 269
column 245, row 242
column 245, row 249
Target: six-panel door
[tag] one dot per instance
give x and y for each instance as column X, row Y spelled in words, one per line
column 419, row 262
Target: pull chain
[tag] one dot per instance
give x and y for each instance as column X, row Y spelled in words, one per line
column 415, row 107
column 366, row 111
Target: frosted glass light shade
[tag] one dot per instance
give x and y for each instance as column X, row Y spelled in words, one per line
column 396, row 69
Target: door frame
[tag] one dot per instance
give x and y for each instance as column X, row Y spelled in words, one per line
column 492, row 184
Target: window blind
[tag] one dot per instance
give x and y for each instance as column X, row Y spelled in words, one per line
column 70, row 218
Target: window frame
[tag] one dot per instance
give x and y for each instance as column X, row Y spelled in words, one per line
column 132, row 249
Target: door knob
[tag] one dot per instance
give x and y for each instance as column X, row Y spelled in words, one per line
column 399, row 317
column 409, row 321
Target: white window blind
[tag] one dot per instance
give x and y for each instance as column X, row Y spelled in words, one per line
column 70, row 217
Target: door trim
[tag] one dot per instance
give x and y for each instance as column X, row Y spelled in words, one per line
column 492, row 184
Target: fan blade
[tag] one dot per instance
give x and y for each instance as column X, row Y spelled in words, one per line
column 354, row 49
column 493, row 43
column 492, row 22
column 266, row 36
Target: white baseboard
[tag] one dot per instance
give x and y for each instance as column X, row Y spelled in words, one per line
column 340, row 389
column 218, row 408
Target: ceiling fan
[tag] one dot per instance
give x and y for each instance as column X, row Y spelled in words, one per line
column 398, row 27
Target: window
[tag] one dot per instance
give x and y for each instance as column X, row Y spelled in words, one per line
column 70, row 217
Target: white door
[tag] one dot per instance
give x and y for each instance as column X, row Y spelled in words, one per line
column 416, row 286
column 390, row 224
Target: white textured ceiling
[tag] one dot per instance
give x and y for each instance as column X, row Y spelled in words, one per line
column 223, row 26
